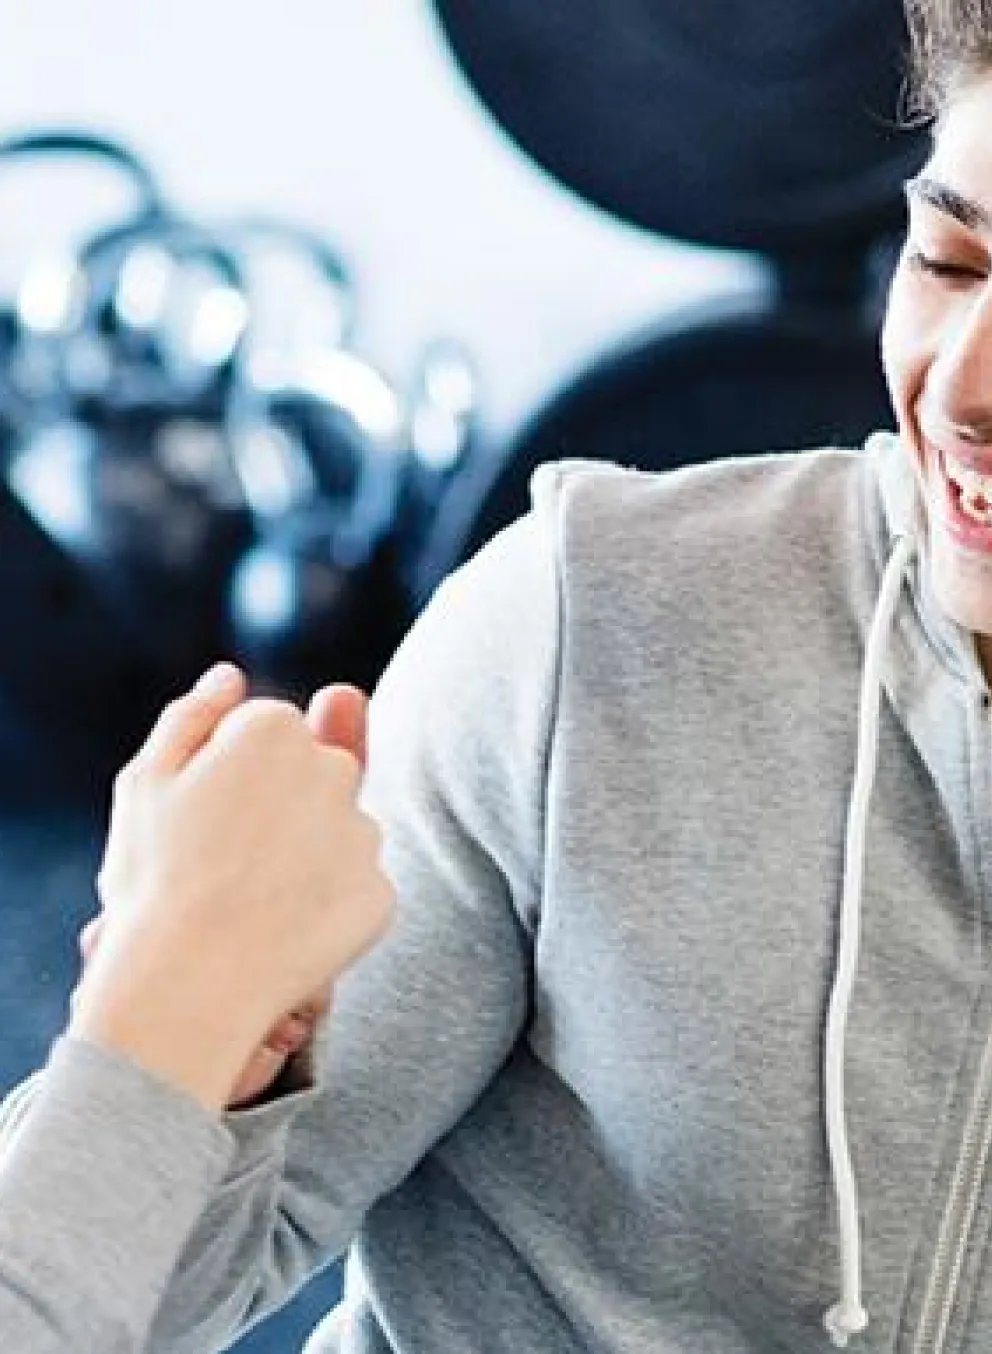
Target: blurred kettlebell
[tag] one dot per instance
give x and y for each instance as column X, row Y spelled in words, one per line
column 120, row 454
column 442, row 437
column 161, row 315
column 33, row 325
column 335, row 482
column 79, row 675
column 149, row 367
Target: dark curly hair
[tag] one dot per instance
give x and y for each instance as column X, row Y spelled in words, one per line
column 950, row 47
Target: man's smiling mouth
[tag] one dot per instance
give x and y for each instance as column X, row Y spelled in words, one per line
column 967, row 495
column 972, row 492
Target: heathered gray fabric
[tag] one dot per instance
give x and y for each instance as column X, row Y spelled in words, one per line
column 574, row 1102
column 97, row 1200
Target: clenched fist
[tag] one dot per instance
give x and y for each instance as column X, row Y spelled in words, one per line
column 240, row 879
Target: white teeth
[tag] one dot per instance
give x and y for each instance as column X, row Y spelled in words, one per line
column 976, row 492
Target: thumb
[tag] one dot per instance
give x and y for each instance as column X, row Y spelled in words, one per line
column 186, row 724
column 337, row 716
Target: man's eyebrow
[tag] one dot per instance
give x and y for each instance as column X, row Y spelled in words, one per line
column 950, row 201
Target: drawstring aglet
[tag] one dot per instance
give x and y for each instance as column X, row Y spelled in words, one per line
column 844, row 1320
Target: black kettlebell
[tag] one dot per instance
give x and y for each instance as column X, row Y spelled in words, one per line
column 135, row 437
column 76, row 675
column 161, row 315
column 318, row 442
column 34, row 324
column 343, row 473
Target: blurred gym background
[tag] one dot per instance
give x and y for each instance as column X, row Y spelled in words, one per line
column 293, row 299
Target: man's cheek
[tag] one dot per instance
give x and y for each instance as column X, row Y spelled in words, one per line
column 903, row 353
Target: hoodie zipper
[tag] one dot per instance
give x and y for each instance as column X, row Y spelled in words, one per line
column 958, row 1221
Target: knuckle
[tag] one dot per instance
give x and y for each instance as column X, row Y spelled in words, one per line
column 171, row 717
column 89, row 937
column 173, row 711
column 264, row 727
column 273, row 710
column 124, row 780
column 103, row 884
column 265, row 715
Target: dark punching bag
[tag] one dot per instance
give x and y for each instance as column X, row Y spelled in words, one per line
column 766, row 125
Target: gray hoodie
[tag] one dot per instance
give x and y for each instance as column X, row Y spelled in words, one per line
column 588, row 1096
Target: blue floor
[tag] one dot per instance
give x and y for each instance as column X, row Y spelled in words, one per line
column 48, row 855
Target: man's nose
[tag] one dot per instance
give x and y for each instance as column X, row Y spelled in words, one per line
column 960, row 382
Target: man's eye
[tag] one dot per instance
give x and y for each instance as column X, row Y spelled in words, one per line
column 946, row 269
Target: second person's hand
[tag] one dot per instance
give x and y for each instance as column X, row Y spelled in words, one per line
column 240, row 878
column 337, row 717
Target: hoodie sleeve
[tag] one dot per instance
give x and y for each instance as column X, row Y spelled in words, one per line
column 96, row 1202
column 459, row 742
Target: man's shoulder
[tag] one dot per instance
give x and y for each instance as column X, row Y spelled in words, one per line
column 683, row 518
column 732, row 484
column 712, row 568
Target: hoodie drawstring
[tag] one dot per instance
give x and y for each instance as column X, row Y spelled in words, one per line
column 847, row 1316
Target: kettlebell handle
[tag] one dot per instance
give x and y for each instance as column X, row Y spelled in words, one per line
column 88, row 145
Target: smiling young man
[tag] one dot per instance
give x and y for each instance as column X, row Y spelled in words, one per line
column 683, row 1037
column 938, row 355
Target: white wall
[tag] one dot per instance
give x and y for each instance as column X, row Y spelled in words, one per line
column 351, row 116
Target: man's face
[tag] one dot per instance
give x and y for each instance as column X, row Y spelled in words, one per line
column 937, row 348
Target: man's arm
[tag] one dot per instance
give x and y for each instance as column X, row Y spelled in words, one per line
column 460, row 733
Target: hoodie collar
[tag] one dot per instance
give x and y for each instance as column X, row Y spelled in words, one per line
column 902, row 514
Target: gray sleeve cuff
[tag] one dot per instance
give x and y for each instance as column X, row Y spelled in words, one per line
column 102, row 1179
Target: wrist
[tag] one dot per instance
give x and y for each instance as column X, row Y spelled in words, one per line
column 186, row 1035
